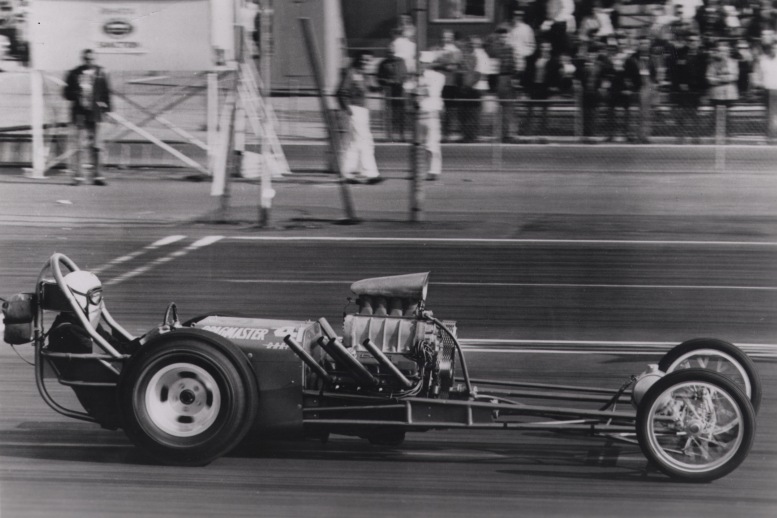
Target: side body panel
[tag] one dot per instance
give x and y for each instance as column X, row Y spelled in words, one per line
column 279, row 372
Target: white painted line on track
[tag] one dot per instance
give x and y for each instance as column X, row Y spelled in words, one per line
column 137, row 253
column 501, row 241
column 200, row 243
column 524, row 285
column 588, row 347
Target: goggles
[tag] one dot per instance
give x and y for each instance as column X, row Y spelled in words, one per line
column 94, row 296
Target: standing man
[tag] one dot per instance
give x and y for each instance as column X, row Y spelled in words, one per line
column 722, row 75
column 392, row 75
column 500, row 50
column 430, row 87
column 87, row 89
column 358, row 162
column 521, row 38
column 647, row 70
column 449, row 58
column 766, row 77
column 686, row 69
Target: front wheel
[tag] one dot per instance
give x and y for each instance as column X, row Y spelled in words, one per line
column 695, row 425
column 186, row 401
column 719, row 356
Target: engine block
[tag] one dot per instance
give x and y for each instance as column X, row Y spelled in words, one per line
column 404, row 350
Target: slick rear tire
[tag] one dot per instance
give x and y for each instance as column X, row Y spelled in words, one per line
column 718, row 356
column 186, row 401
column 695, row 425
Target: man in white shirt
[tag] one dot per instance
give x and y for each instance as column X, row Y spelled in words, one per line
column 404, row 48
column 521, row 39
column 766, row 77
column 431, row 83
column 559, row 21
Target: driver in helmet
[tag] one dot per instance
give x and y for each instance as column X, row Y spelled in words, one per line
column 68, row 335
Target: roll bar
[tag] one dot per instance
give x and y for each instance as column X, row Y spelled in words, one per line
column 55, row 264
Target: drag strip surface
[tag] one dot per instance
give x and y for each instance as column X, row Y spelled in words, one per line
column 548, row 299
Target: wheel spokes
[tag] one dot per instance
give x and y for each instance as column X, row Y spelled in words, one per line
column 695, row 426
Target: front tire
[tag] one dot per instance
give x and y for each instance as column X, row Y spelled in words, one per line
column 695, row 425
column 186, row 401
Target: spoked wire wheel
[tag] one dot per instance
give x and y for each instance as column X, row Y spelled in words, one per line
column 718, row 356
column 695, row 425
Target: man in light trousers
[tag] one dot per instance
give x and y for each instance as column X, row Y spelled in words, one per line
column 430, row 104
column 358, row 160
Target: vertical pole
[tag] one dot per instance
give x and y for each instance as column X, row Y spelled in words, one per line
column 265, row 57
column 212, row 119
column 579, row 115
column 36, row 113
column 720, row 137
column 334, row 137
column 266, row 38
column 771, row 115
column 417, row 151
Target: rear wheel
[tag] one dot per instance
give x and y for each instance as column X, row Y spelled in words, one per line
column 695, row 425
column 718, row 356
column 187, row 402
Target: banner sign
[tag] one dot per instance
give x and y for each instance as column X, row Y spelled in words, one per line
column 118, row 29
column 157, row 35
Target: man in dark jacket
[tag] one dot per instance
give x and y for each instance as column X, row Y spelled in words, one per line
column 392, row 74
column 686, row 69
column 544, row 76
column 87, row 89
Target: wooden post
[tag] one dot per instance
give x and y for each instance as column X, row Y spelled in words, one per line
column 36, row 114
column 329, row 117
column 720, row 137
column 418, row 158
column 771, row 115
column 212, row 119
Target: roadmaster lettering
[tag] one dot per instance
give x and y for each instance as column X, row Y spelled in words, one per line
column 239, row 333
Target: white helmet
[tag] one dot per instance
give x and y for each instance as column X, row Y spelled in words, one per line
column 88, row 292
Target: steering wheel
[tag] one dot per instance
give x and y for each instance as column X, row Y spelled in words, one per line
column 171, row 316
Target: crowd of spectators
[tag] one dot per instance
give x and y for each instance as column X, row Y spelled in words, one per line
column 692, row 52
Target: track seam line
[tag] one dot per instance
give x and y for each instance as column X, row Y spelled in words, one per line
column 501, row 241
column 200, row 243
column 137, row 253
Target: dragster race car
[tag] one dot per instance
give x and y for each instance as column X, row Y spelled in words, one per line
column 188, row 393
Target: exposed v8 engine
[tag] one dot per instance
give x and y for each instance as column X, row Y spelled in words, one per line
column 399, row 348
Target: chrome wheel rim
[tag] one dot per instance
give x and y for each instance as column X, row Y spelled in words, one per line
column 716, row 361
column 695, row 427
column 182, row 399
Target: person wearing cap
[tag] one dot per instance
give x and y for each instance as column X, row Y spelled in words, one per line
column 89, row 93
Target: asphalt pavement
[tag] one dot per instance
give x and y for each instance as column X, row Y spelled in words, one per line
column 531, row 192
